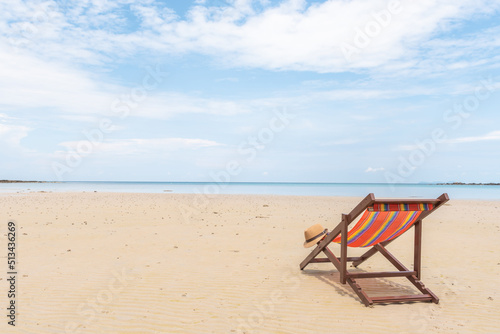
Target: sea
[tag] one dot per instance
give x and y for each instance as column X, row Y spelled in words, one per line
column 381, row 190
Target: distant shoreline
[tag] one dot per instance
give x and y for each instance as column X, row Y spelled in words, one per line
column 180, row 182
column 20, row 181
column 467, row 184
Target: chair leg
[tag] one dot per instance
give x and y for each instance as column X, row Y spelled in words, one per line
column 417, row 252
column 359, row 291
column 343, row 249
column 421, row 287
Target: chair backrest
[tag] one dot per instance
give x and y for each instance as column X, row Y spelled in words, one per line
column 384, row 221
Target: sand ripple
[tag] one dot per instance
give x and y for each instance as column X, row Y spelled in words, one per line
column 138, row 263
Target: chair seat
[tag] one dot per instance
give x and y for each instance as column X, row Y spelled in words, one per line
column 378, row 226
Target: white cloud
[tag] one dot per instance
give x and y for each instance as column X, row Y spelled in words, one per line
column 491, row 136
column 345, row 141
column 287, row 36
column 290, row 36
column 11, row 135
column 494, row 135
column 374, row 170
column 165, row 105
column 407, row 147
column 135, row 146
column 229, row 79
column 28, row 82
column 363, row 118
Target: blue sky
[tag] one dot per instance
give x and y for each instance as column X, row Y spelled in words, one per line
column 242, row 90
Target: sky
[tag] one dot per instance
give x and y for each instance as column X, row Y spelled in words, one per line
column 250, row 90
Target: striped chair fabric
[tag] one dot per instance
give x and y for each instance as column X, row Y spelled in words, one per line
column 384, row 222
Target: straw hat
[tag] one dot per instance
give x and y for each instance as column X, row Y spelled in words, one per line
column 314, row 234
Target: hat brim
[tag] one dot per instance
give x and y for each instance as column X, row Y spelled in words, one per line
column 315, row 241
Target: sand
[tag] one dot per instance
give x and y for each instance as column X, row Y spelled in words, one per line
column 173, row 263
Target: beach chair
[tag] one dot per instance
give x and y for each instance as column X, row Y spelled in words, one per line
column 383, row 220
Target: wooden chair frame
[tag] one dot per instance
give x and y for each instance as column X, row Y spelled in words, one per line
column 349, row 277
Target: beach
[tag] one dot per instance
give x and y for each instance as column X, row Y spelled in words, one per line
column 92, row 262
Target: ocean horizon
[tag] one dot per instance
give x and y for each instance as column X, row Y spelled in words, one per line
column 412, row 190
